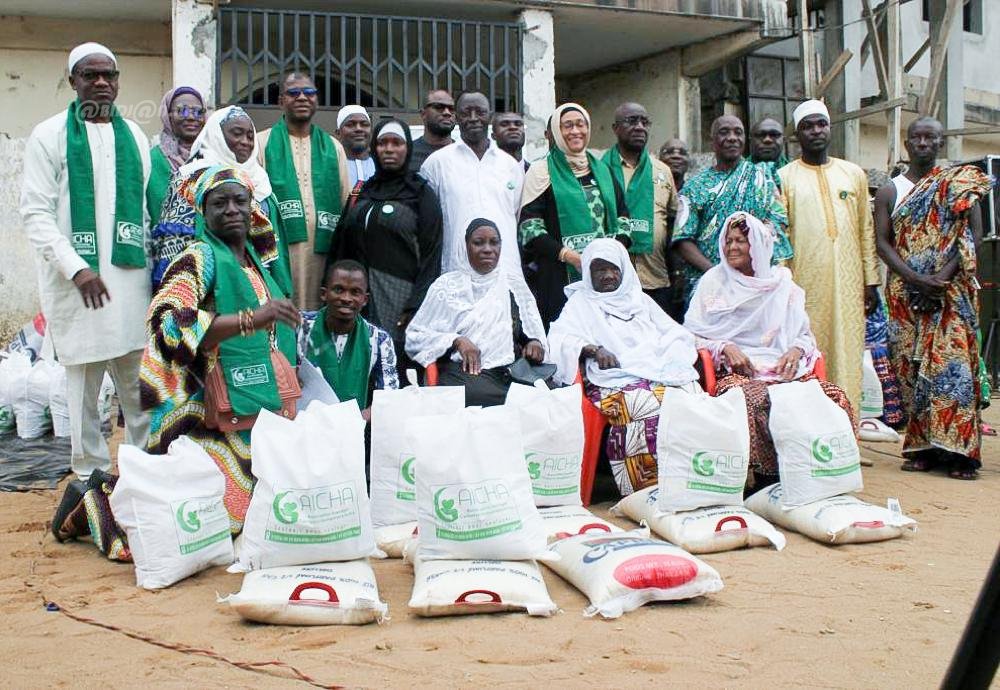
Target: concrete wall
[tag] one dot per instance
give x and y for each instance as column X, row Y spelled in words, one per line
column 33, row 87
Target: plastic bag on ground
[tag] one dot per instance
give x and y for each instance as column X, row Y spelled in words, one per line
column 105, row 399
column 452, row 587
column 871, row 389
column 569, row 521
column 393, row 464
column 621, row 572
column 474, row 496
column 172, row 511
column 818, row 456
column 392, row 539
column 703, row 530
column 7, row 424
column 29, row 395
column 309, row 504
column 58, row 404
column 703, row 449
column 320, row 594
column 552, row 434
column 874, row 430
column 836, row 520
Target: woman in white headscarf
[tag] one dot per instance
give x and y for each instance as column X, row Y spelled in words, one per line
column 630, row 351
column 751, row 316
column 477, row 321
column 569, row 199
column 228, row 138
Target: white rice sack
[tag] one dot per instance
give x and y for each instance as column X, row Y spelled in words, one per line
column 552, row 434
column 568, row 521
column 29, row 395
column 703, row 449
column 309, row 504
column 58, row 404
column 473, row 492
column 871, row 389
column 392, row 463
column 171, row 508
column 392, row 539
column 450, row 588
column 704, row 530
column 837, row 520
column 873, row 430
column 621, row 572
column 7, row 423
column 320, row 594
column 818, row 455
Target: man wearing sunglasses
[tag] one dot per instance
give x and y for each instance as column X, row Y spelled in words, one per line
column 84, row 212
column 438, row 116
column 650, row 197
column 308, row 171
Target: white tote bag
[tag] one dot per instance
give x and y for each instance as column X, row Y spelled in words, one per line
column 309, row 504
column 703, row 449
column 871, row 389
column 818, row 455
column 393, row 463
column 473, row 492
column 552, row 434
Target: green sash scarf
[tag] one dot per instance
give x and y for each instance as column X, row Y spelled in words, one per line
column 160, row 174
column 128, row 241
column 348, row 375
column 246, row 361
column 638, row 196
column 575, row 221
column 285, row 183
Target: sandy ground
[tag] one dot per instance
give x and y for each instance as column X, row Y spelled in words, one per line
column 884, row 615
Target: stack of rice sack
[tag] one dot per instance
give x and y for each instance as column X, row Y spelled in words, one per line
column 308, row 531
column 703, row 448
column 819, row 466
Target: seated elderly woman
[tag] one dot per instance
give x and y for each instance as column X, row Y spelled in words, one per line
column 630, row 351
column 751, row 316
column 477, row 321
column 218, row 303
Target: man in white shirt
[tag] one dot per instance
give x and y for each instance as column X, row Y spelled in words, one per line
column 475, row 179
column 354, row 130
column 83, row 208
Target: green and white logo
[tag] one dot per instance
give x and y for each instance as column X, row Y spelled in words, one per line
column 187, row 520
column 130, row 233
column 314, row 516
column 717, row 471
column 468, row 512
column 406, row 484
column 250, row 375
column 444, row 508
column 292, row 208
column 327, row 221
column 85, row 243
column 835, row 453
column 553, row 474
column 199, row 522
column 703, row 464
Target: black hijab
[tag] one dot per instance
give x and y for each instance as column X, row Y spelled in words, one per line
column 392, row 185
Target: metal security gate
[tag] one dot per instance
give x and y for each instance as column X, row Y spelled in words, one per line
column 386, row 64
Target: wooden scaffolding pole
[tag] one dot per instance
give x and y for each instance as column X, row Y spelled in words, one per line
column 808, row 50
column 895, row 82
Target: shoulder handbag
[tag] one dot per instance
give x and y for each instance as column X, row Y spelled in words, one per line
column 219, row 410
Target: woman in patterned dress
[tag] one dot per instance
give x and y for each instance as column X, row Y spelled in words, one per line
column 188, row 333
column 629, row 350
column 751, row 316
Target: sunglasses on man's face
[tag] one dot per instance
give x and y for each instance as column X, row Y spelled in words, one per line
column 307, row 91
column 187, row 111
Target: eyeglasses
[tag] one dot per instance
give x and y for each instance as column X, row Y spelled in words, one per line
column 297, row 91
column 186, row 111
column 633, row 120
column 441, row 107
column 92, row 75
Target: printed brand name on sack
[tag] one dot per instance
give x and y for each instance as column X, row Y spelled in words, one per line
column 837, row 447
column 706, row 463
column 314, row 516
column 85, row 243
column 659, row 571
column 405, row 490
column 557, row 475
column 326, row 220
column 130, row 233
column 200, row 522
column 599, row 548
column 291, row 208
column 250, row 375
column 475, row 511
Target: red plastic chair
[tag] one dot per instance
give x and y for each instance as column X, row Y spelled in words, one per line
column 707, row 370
column 593, row 431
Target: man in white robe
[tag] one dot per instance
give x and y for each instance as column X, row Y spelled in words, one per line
column 95, row 310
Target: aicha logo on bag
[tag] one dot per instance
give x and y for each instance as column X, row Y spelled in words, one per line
column 287, row 512
column 445, row 508
column 702, row 464
column 188, row 519
column 829, row 447
column 249, row 375
column 405, row 488
column 406, row 470
column 534, row 470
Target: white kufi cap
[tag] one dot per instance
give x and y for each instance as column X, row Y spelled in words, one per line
column 349, row 110
column 85, row 49
column 811, row 107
